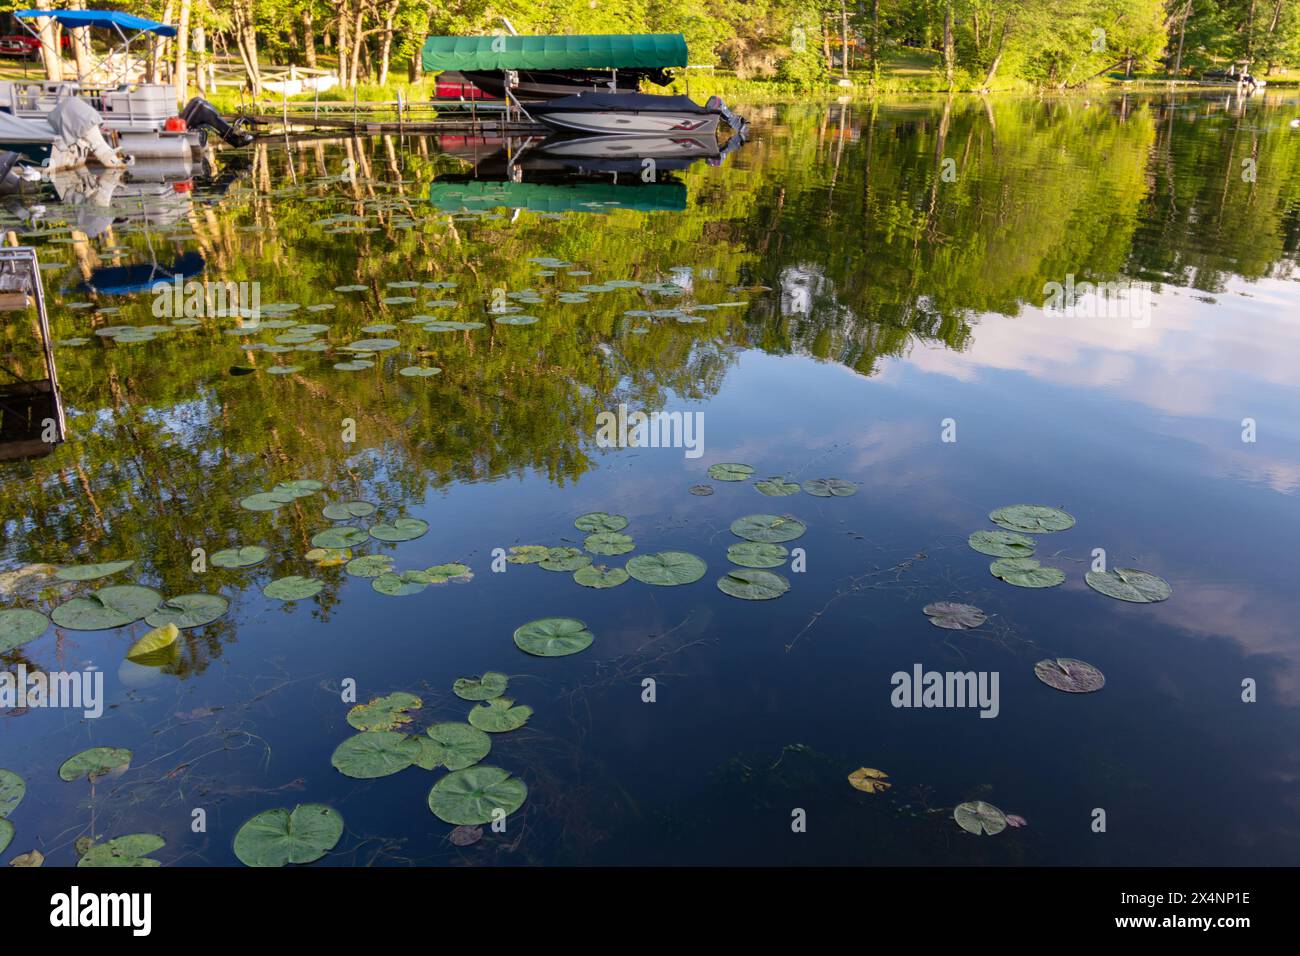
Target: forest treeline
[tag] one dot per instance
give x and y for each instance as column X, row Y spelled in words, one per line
column 972, row 44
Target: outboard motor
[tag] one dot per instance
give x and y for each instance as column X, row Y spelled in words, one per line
column 735, row 122
column 200, row 114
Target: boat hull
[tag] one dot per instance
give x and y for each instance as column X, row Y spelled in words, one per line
column 632, row 122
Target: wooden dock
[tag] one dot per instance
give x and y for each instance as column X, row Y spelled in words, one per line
column 393, row 117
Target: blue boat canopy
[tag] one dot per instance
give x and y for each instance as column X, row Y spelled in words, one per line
column 99, row 18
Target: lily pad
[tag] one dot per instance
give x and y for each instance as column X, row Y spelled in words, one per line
column 400, row 584
column 106, row 608
column 418, row 371
column 95, row 763
column 954, row 617
column 553, row 637
column 528, row 554
column 188, row 610
column 757, row 554
column 125, row 851
column 869, row 780
column 265, row 501
column 564, row 559
column 667, row 568
column 609, row 543
column 276, row 837
column 599, row 576
column 753, row 585
column 244, row 557
column 19, row 626
column 476, row 795
column 12, row 791
column 701, row 490
column 599, row 521
column 385, row 713
column 1127, row 584
column 1026, row 573
column 1032, row 519
column 768, row 528
column 491, row 684
column 343, row 510
column 1069, row 675
column 452, row 745
column 328, row 557
column 465, row 836
column 373, row 345
column 375, row 753
column 980, row 818
column 6, row 834
column 499, row 715
column 293, row 587
column 730, row 471
column 1002, row 544
column 777, row 487
column 402, row 529
column 830, row 487
column 344, row 536
column 370, row 565
column 156, row 648
column 89, row 572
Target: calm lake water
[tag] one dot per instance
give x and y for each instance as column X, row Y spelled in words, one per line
column 874, row 300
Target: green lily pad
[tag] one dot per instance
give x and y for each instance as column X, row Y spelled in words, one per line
column 12, row 791
column 188, row 610
column 372, row 345
column 131, row 850
column 276, row 837
column 553, row 637
column 106, row 608
column 1069, row 675
column 95, row 763
column 328, row 557
column 452, row 745
column 753, row 585
column 609, row 543
column 344, row 510
column 245, row 557
column 1002, row 544
column 354, row 366
column 980, row 818
column 385, row 713
column 830, row 487
column 89, row 572
column 402, row 529
column 490, row 685
column 564, row 559
column 757, row 554
column 599, row 521
column 773, row 529
column 374, row 753
column 730, row 471
column 157, row 648
column 19, row 626
column 265, row 501
column 599, row 576
column 954, row 617
column 400, row 584
column 499, row 715
column 475, row 795
column 667, row 568
column 528, row 554
column 417, row 371
column 442, row 573
column 344, row 536
column 370, row 565
column 701, row 490
column 1124, row 584
column 6, row 834
column 1026, row 573
column 1032, row 519
column 293, row 587
column 777, row 487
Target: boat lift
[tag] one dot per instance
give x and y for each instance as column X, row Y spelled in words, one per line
column 32, row 421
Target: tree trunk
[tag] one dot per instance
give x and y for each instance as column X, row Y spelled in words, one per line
column 246, row 39
column 182, row 76
column 844, row 40
column 386, row 45
column 343, row 45
column 875, row 34
column 949, row 51
column 50, row 57
column 309, row 38
column 1182, row 33
column 997, row 56
column 200, row 49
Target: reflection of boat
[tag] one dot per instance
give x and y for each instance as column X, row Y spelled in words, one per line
column 141, row 116
column 151, row 192
column 31, row 410
column 635, row 148
column 636, row 113
column 143, row 276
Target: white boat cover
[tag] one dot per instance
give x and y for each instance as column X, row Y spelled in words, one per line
column 77, row 123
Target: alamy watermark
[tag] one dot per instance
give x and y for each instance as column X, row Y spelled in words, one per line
column 76, row 690
column 1100, row 300
column 922, row 688
column 179, row 299
column 637, row 429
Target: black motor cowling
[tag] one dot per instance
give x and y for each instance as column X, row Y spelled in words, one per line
column 200, row 114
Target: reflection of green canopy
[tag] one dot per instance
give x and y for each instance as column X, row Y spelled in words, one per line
column 480, row 195
column 593, row 52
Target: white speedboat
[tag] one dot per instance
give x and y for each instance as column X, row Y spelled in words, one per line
column 634, row 114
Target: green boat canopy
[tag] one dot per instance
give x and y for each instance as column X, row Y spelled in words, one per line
column 482, row 195
column 592, row 52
